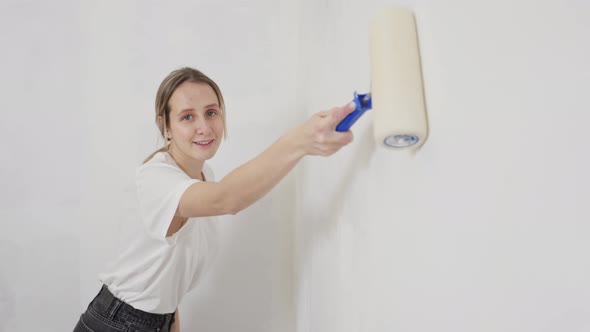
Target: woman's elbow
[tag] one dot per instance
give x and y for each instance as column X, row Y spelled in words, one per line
column 233, row 208
column 234, row 205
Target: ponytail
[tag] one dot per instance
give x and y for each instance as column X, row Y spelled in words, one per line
column 163, row 149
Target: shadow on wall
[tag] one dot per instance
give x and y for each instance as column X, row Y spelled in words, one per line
column 6, row 304
column 7, row 296
column 365, row 148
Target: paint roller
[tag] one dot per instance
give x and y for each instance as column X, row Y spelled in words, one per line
column 397, row 95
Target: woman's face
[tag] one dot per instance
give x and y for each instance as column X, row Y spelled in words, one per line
column 196, row 124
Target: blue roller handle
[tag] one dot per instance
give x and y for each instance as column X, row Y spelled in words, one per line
column 363, row 104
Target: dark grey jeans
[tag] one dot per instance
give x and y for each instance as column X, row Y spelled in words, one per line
column 106, row 313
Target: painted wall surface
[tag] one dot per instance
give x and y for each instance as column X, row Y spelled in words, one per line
column 78, row 86
column 486, row 227
column 41, row 139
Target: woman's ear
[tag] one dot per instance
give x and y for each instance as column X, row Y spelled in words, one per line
column 162, row 124
column 160, row 121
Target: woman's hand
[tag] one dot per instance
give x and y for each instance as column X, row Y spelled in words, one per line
column 318, row 134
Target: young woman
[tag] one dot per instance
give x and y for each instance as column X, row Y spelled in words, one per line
column 178, row 201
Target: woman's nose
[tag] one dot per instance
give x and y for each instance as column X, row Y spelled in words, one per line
column 202, row 126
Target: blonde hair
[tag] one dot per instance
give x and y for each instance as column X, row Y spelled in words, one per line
column 167, row 88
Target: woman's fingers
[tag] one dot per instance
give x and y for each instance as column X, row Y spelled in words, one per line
column 321, row 128
column 339, row 113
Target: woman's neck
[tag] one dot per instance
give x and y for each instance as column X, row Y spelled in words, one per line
column 192, row 167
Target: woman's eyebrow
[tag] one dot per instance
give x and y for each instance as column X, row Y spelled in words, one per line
column 186, row 110
column 192, row 109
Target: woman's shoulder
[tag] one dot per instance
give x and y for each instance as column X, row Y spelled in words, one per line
column 161, row 161
column 160, row 157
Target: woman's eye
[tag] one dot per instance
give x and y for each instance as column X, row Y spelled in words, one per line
column 211, row 113
column 186, row 117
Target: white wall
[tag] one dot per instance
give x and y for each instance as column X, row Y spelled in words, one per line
column 41, row 139
column 484, row 229
column 79, row 83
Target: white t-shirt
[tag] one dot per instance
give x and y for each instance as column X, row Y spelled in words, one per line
column 155, row 272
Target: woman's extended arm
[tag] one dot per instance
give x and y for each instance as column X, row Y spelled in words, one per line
column 249, row 182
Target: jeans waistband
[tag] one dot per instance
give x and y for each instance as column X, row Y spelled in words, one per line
column 116, row 309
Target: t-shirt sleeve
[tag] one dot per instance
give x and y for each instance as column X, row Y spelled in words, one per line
column 159, row 189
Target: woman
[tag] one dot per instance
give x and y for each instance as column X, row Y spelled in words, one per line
column 178, row 201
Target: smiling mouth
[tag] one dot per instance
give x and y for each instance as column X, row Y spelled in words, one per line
column 204, row 143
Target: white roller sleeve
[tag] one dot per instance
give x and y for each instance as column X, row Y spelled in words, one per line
column 396, row 77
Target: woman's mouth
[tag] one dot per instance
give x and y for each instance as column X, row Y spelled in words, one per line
column 204, row 144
